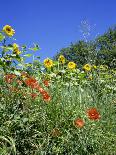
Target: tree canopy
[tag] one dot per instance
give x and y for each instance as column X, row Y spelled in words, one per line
column 101, row 50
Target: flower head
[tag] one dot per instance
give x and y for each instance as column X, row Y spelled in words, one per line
column 48, row 63
column 46, row 96
column 24, row 75
column 71, row 65
column 79, row 122
column 46, row 83
column 40, row 89
column 8, row 30
column 9, row 78
column 31, row 82
column 93, row 114
column 34, row 95
column 16, row 49
column 61, row 59
column 94, row 66
column 87, row 67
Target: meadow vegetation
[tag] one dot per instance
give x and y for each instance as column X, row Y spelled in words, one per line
column 63, row 106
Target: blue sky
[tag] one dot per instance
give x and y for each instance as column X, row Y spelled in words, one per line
column 54, row 24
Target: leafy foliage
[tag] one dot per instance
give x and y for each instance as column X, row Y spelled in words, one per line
column 99, row 52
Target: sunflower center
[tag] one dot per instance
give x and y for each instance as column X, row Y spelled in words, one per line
column 8, row 29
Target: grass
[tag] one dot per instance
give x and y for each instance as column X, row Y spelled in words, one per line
column 35, row 127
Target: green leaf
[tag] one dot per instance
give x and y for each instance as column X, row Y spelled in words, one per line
column 38, row 57
column 28, row 55
column 17, row 73
column 35, row 48
column 1, row 36
column 7, row 48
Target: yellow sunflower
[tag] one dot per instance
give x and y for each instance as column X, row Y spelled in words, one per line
column 71, row 65
column 87, row 67
column 8, row 30
column 61, row 59
column 48, row 63
column 16, row 49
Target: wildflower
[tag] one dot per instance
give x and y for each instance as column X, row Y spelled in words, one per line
column 44, row 93
column 55, row 132
column 87, row 67
column 16, row 49
column 40, row 89
column 71, row 65
column 61, row 59
column 31, row 82
column 79, row 122
column 94, row 66
column 24, row 75
column 48, row 63
column 46, row 96
column 9, row 78
column 34, row 95
column 93, row 114
column 8, row 30
column 46, row 83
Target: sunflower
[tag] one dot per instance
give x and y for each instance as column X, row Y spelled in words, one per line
column 16, row 49
column 71, row 65
column 48, row 63
column 87, row 67
column 8, row 30
column 61, row 59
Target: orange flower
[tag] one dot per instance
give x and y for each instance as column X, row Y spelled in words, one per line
column 93, row 114
column 40, row 89
column 31, row 82
column 9, row 78
column 46, row 96
column 46, row 83
column 79, row 122
column 34, row 95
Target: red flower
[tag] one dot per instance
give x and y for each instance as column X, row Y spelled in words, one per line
column 46, row 83
column 40, row 89
column 93, row 114
column 46, row 96
column 31, row 82
column 34, row 95
column 9, row 78
column 79, row 122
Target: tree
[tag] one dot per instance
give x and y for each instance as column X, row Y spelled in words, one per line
column 102, row 50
